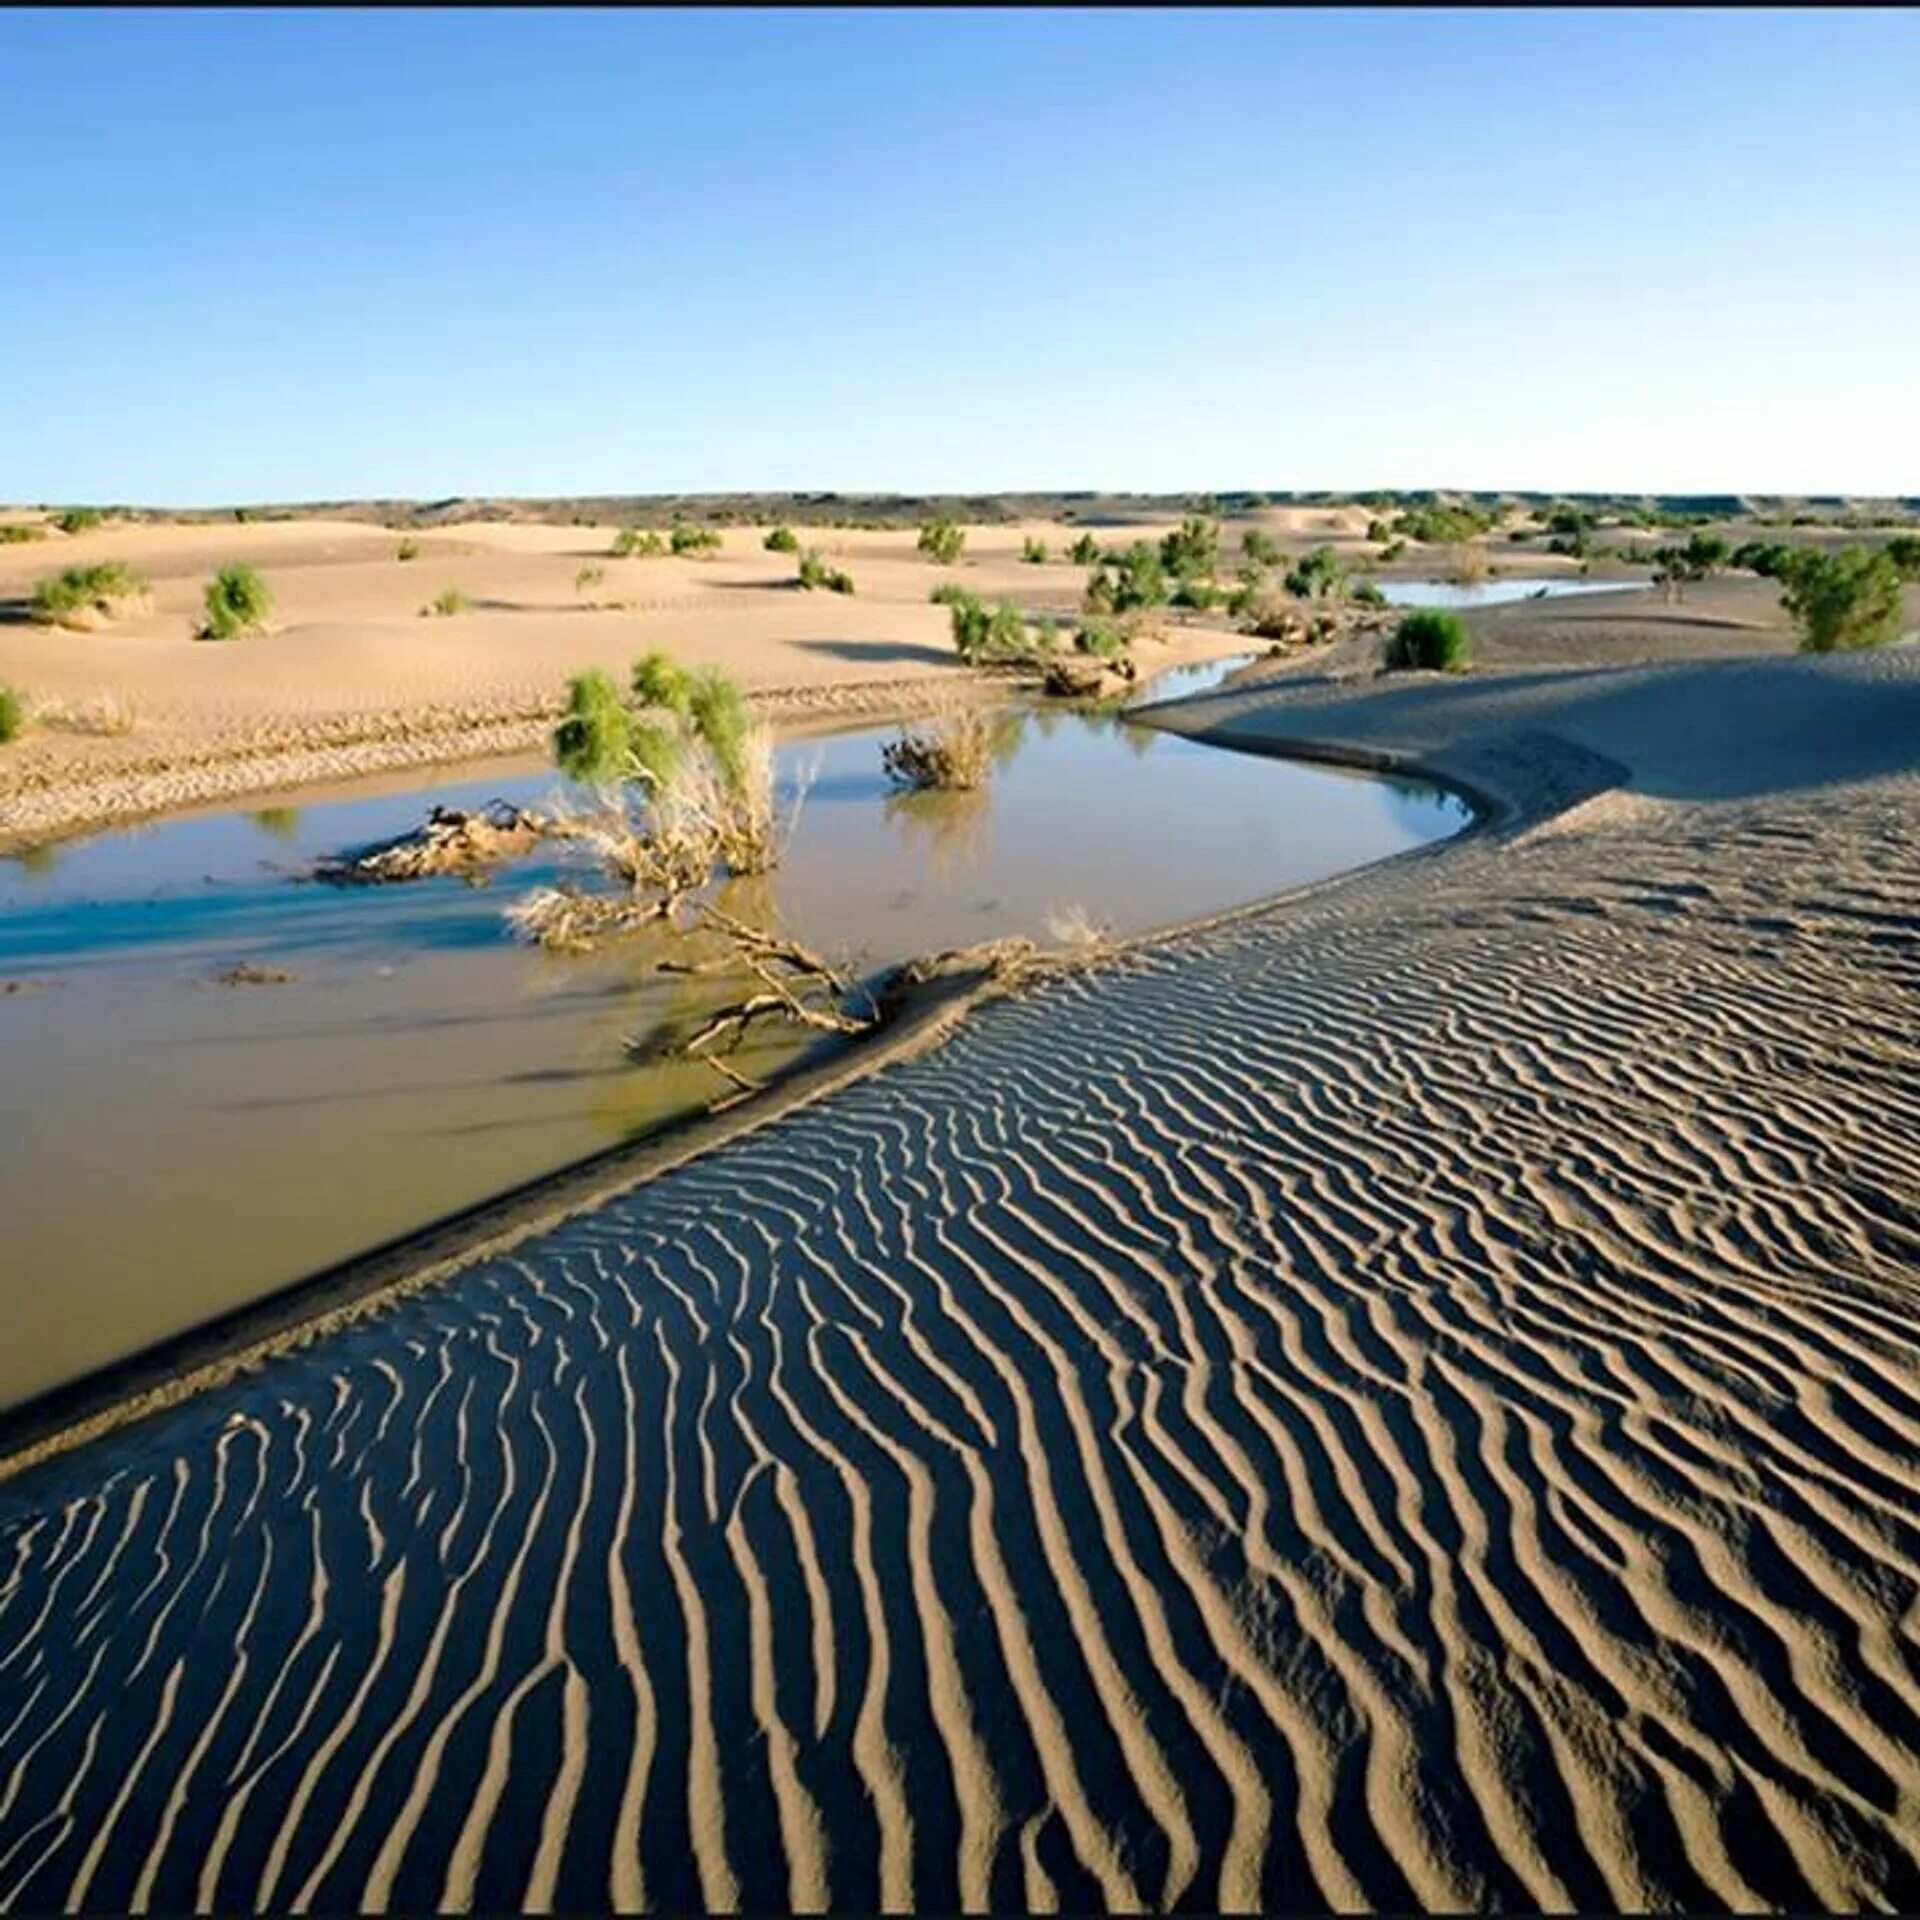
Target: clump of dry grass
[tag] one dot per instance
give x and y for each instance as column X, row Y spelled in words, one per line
column 106, row 715
column 950, row 751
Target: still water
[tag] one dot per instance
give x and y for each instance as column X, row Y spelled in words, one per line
column 1492, row 593
column 171, row 1147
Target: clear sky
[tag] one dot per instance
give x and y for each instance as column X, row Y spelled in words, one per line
column 283, row 255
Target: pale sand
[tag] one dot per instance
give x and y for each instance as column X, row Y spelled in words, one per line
column 1406, row 1397
column 351, row 679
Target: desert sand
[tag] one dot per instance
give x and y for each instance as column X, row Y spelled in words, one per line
column 1409, row 1396
column 351, row 678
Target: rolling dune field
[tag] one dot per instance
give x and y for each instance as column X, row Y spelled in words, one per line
column 1410, row 1397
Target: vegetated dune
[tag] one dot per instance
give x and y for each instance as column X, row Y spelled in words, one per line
column 1407, row 1398
column 351, row 678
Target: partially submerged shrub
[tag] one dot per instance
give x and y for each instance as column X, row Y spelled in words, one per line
column 1843, row 601
column 782, row 540
column 13, row 715
column 447, row 602
column 686, row 539
column 77, row 595
column 593, row 743
column 952, row 752
column 237, row 602
column 942, row 541
column 1432, row 640
column 1033, row 551
column 660, row 681
column 637, row 543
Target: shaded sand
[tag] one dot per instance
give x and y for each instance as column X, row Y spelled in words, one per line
column 350, row 679
column 1410, row 1397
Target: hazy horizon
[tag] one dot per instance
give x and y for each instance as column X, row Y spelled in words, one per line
column 303, row 256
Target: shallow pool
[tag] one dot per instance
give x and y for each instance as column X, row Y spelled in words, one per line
column 171, row 1147
column 1492, row 593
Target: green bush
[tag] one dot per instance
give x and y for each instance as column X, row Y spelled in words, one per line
column 1368, row 594
column 1904, row 551
column 1319, row 575
column 1085, row 552
column 949, row 593
column 718, row 711
column 594, row 742
column 13, row 715
column 1843, row 601
column 1432, row 640
column 686, row 539
column 637, row 543
column 814, row 572
column 98, row 588
column 1438, row 525
column 1126, row 582
column 1192, row 550
column 782, row 540
column 1034, row 552
column 660, row 681
column 237, row 602
column 15, row 535
column 982, row 634
column 1259, row 549
column 408, row 550
column 942, row 541
column 78, row 520
column 1101, row 639
column 1200, row 595
column 448, row 601
column 588, row 577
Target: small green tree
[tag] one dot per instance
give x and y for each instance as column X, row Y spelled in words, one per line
column 1904, row 551
column 1259, row 549
column 1033, row 551
column 1085, row 552
column 237, row 602
column 942, row 541
column 1432, row 640
column 637, row 543
column 685, row 539
column 782, row 540
column 78, row 520
column 1843, row 601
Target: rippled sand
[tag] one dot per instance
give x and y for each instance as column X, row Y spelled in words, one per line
column 1409, row 1398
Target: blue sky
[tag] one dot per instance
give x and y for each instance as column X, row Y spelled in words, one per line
column 286, row 255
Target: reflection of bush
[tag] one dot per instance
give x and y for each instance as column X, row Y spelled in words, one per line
column 946, row 832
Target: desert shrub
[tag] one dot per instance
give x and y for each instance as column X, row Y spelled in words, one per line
column 1045, row 637
column 1127, row 581
column 1393, row 549
column 717, row 712
column 592, row 743
column 949, row 593
column 15, row 535
column 982, row 634
column 1843, row 601
column 660, row 681
column 1368, row 594
column 814, row 572
column 1441, row 525
column 686, row 539
column 447, row 602
column 1432, row 640
column 1100, row 638
column 237, row 601
column 408, row 550
column 78, row 520
column 1033, row 552
column 1676, row 566
column 1904, row 551
column 1192, row 550
column 588, row 577
column 782, row 540
column 1318, row 575
column 1467, row 564
column 942, row 541
column 953, row 752
column 1085, row 552
column 1200, row 595
column 1768, row 558
column 637, row 543
column 13, row 715
column 1259, row 549
column 82, row 590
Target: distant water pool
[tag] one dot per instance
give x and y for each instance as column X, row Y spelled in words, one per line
column 1492, row 593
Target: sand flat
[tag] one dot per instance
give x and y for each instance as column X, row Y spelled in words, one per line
column 1410, row 1397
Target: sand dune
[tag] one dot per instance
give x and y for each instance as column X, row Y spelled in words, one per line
column 1410, row 1397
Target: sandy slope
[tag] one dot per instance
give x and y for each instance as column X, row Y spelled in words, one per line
column 351, row 678
column 1407, row 1398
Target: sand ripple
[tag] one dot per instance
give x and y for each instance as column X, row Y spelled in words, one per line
column 1414, row 1400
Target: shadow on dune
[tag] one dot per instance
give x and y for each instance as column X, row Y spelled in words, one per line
column 880, row 652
